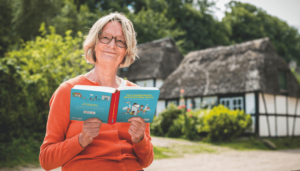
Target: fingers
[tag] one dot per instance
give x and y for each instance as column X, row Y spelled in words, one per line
column 92, row 120
column 90, row 130
column 136, row 129
column 137, row 120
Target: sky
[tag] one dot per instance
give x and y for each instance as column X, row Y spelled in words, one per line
column 286, row 10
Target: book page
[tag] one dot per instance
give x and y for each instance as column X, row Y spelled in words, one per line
column 137, row 103
column 87, row 104
column 95, row 88
column 137, row 88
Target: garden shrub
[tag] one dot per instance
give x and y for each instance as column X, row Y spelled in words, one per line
column 29, row 77
column 161, row 124
column 218, row 124
column 223, row 124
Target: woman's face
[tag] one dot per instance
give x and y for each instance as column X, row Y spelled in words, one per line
column 110, row 54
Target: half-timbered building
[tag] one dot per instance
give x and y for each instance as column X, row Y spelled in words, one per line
column 249, row 76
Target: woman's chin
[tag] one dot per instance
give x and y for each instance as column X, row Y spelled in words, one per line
column 108, row 60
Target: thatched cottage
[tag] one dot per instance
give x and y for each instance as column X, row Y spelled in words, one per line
column 248, row 76
column 157, row 60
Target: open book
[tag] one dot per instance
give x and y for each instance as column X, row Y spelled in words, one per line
column 112, row 105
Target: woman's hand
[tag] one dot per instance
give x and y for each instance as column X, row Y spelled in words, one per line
column 90, row 130
column 136, row 129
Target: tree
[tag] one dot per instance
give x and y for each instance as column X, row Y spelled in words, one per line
column 5, row 25
column 150, row 25
column 29, row 14
column 201, row 29
column 248, row 22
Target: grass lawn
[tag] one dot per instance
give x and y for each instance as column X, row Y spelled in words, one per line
column 178, row 150
column 256, row 144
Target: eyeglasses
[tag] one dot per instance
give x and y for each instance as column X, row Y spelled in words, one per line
column 106, row 38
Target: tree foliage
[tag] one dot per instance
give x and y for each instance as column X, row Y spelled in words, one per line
column 248, row 22
column 29, row 76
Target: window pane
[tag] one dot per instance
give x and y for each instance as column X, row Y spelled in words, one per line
column 282, row 79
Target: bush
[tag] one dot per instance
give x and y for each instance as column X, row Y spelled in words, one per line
column 161, row 124
column 29, row 77
column 223, row 124
column 219, row 123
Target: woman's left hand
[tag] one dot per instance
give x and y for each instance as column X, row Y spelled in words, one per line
column 136, row 129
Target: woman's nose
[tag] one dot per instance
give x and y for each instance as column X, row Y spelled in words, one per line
column 112, row 43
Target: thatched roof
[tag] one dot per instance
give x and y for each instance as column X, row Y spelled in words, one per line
column 158, row 59
column 246, row 67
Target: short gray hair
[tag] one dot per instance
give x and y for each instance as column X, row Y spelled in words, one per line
column 92, row 40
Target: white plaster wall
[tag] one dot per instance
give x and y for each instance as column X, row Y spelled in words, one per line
column 263, row 126
column 270, row 103
column 297, row 127
column 291, row 125
column 145, row 83
column 272, row 125
column 159, row 83
column 189, row 103
column 298, row 107
column 280, row 104
column 291, row 105
column 198, row 103
column 161, row 105
column 281, row 126
column 261, row 104
column 250, row 103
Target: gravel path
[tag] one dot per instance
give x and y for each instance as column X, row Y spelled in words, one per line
column 225, row 160
column 232, row 161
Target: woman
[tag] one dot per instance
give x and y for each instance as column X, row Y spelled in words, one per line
column 93, row 145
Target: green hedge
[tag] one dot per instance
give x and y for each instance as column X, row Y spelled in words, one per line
column 218, row 124
column 29, row 77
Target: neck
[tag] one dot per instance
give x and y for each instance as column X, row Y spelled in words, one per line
column 104, row 76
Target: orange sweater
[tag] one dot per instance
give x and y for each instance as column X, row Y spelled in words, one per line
column 111, row 150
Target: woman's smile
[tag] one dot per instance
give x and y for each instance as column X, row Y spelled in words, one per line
column 108, row 52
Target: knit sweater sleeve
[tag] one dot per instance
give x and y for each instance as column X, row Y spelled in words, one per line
column 56, row 150
column 144, row 149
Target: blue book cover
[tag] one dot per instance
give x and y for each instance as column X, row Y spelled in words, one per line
column 113, row 105
column 89, row 102
column 135, row 102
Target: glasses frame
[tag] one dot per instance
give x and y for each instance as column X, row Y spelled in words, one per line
column 99, row 34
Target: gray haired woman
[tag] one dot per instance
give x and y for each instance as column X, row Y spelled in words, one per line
column 93, row 145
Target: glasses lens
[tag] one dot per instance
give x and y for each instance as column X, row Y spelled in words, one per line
column 120, row 42
column 104, row 38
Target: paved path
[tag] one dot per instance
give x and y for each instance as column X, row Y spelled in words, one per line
column 232, row 161
column 225, row 160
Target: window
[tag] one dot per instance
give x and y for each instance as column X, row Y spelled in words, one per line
column 282, row 79
column 172, row 101
column 125, row 69
column 233, row 103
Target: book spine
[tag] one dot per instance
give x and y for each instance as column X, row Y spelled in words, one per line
column 113, row 108
column 116, row 106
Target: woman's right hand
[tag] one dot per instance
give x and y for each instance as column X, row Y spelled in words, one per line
column 90, row 130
